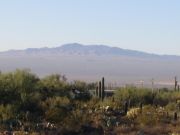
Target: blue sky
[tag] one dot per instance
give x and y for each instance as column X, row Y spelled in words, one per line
column 145, row 25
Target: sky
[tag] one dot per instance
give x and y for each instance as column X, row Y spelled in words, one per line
column 145, row 25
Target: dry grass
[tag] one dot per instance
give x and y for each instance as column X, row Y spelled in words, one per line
column 160, row 129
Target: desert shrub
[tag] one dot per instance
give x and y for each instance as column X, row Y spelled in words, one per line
column 7, row 112
column 149, row 116
column 133, row 113
column 56, row 108
column 135, row 95
column 163, row 98
column 53, row 85
column 171, row 106
column 75, row 119
column 111, row 103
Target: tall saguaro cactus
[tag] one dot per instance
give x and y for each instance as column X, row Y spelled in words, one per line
column 96, row 91
column 176, row 83
column 99, row 89
column 125, row 107
column 141, row 107
column 102, row 89
column 175, row 116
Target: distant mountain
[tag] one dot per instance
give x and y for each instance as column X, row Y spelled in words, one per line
column 79, row 49
column 91, row 62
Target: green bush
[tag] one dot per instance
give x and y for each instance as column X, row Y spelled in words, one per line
column 135, row 95
column 171, row 106
column 149, row 116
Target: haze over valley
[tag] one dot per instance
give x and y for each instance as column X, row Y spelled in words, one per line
column 91, row 62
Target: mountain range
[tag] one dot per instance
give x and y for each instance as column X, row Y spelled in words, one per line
column 79, row 49
column 91, row 62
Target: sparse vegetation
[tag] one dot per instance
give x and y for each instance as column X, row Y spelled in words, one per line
column 51, row 105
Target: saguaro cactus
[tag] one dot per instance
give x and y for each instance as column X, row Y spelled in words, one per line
column 176, row 82
column 99, row 89
column 141, row 107
column 175, row 116
column 102, row 89
column 125, row 107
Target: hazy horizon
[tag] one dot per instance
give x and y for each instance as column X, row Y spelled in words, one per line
column 89, row 63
